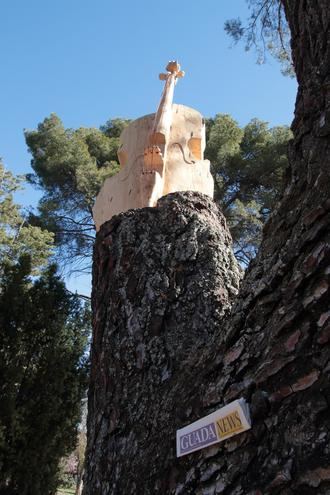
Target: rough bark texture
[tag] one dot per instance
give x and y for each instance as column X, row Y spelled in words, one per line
column 163, row 281
column 273, row 350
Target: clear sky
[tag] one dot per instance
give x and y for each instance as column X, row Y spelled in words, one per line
column 91, row 60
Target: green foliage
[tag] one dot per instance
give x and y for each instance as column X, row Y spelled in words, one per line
column 66, row 491
column 265, row 30
column 43, row 336
column 70, row 167
column 17, row 237
column 248, row 166
column 43, row 373
column 71, row 468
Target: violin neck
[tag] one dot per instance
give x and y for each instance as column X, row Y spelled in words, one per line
column 163, row 118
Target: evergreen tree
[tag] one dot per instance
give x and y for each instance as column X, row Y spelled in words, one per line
column 17, row 236
column 266, row 29
column 43, row 338
column 43, row 377
column 248, row 166
column 70, row 166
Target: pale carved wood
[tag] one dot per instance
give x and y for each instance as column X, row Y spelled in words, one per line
column 159, row 154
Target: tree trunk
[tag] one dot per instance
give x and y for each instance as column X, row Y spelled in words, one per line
column 163, row 280
column 79, row 485
column 273, row 350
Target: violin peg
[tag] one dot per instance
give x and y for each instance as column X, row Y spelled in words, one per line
column 173, row 66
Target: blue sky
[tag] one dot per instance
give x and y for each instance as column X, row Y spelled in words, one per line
column 89, row 61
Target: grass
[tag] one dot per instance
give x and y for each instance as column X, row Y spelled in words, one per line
column 65, row 491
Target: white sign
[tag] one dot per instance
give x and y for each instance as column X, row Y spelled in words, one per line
column 224, row 423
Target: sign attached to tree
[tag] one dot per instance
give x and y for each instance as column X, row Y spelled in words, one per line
column 224, row 423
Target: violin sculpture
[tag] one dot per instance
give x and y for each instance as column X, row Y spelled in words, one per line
column 158, row 154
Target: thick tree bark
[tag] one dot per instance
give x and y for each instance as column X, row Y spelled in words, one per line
column 163, row 280
column 273, row 350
